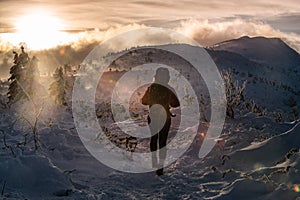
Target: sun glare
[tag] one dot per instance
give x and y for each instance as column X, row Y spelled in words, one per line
column 39, row 31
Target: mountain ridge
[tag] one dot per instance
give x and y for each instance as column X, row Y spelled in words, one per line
column 271, row 51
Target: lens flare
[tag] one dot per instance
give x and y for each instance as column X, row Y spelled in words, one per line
column 296, row 188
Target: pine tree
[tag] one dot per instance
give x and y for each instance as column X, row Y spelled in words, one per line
column 57, row 87
column 67, row 69
column 24, row 77
column 15, row 92
column 23, row 58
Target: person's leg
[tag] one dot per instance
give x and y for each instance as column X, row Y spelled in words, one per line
column 162, row 140
column 153, row 148
column 163, row 136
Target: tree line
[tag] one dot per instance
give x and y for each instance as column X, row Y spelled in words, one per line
column 24, row 80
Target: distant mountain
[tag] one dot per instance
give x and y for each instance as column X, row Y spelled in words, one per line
column 270, row 67
column 271, row 51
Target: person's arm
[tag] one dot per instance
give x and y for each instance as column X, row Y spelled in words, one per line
column 174, row 102
column 146, row 97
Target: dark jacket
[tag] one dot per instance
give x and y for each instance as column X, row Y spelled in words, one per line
column 159, row 94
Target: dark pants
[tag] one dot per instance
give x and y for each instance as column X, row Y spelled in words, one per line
column 160, row 139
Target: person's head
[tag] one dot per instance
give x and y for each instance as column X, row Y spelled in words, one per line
column 162, row 75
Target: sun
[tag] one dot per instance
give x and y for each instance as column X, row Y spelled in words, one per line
column 39, row 30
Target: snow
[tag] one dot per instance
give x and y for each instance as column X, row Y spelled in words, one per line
column 272, row 51
column 33, row 176
column 255, row 157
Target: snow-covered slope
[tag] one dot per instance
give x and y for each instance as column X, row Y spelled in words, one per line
column 272, row 51
column 270, row 67
column 256, row 157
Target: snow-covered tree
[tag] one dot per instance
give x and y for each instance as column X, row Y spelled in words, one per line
column 16, row 79
column 57, row 87
column 234, row 92
column 23, row 58
column 24, row 76
column 67, row 70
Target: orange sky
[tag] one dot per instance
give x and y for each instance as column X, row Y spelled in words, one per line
column 207, row 21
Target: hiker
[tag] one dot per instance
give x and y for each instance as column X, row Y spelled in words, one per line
column 161, row 93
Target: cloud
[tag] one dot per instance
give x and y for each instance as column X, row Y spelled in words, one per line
column 75, row 38
column 208, row 33
column 92, row 13
column 87, row 37
column 287, row 22
column 110, row 15
column 205, row 32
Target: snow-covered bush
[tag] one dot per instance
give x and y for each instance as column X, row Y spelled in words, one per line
column 234, row 92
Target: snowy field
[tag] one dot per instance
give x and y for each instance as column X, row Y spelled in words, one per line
column 257, row 160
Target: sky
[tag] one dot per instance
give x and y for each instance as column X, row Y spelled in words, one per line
column 208, row 22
